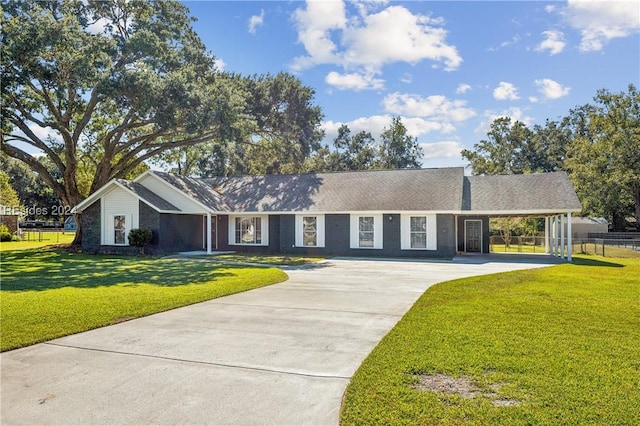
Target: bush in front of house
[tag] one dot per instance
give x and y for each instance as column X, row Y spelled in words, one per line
column 140, row 238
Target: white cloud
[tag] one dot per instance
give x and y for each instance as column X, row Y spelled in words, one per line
column 98, row 27
column 514, row 40
column 515, row 113
column 371, row 40
column 256, row 21
column 505, row 91
column 396, row 35
column 406, row 78
column 315, row 24
column 417, row 126
column 444, row 149
column 219, row 64
column 553, row 42
column 436, row 107
column 44, row 132
column 462, row 88
column 353, row 81
column 600, row 21
column 551, row 89
column 375, row 124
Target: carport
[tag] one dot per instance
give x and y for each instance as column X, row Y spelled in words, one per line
column 549, row 196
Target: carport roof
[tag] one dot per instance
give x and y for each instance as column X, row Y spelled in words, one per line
column 519, row 194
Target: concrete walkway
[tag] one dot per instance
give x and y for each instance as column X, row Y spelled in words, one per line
column 281, row 354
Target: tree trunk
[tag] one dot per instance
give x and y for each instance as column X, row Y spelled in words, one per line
column 77, row 240
column 636, row 198
column 619, row 222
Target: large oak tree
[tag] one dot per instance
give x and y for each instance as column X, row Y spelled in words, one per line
column 276, row 131
column 113, row 83
column 603, row 158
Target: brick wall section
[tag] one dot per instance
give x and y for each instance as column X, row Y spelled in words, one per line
column 447, row 235
column 90, row 229
column 150, row 219
column 337, row 240
column 180, row 232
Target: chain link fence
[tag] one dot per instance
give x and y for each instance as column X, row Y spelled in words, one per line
column 42, row 234
column 606, row 247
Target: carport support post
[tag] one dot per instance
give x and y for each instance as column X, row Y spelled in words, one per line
column 208, row 232
column 569, row 245
column 562, row 236
column 546, row 234
column 554, row 236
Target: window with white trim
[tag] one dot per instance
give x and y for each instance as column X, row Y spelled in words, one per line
column 366, row 231
column 309, row 230
column 418, row 232
column 119, row 229
column 249, row 230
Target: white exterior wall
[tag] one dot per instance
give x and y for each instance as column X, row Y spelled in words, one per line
column 164, row 190
column 580, row 227
column 118, row 202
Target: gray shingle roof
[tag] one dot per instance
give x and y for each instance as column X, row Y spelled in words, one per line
column 533, row 192
column 436, row 190
column 148, row 196
column 380, row 190
column 198, row 189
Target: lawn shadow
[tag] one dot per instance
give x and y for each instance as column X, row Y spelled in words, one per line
column 581, row 261
column 44, row 269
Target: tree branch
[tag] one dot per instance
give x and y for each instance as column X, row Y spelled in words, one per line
column 93, row 102
column 39, row 168
column 37, row 142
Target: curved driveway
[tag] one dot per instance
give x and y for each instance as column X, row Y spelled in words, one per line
column 281, row 354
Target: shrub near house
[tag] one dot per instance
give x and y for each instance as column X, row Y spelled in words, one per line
column 140, row 238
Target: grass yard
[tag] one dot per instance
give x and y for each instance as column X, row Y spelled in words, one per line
column 557, row 345
column 34, row 239
column 515, row 248
column 268, row 259
column 48, row 293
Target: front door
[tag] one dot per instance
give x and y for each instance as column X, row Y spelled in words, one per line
column 473, row 233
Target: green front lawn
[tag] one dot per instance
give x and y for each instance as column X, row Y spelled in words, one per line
column 268, row 259
column 48, row 293
column 557, row 345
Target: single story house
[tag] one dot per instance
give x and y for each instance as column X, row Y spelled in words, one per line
column 400, row 213
column 581, row 227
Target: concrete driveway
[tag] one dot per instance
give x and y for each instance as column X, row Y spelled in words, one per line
column 281, row 354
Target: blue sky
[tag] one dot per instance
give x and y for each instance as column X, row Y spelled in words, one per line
column 447, row 68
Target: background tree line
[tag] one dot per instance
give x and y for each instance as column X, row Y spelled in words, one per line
column 597, row 144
